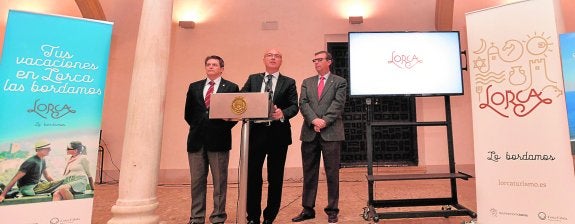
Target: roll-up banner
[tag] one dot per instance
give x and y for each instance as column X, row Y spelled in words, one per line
column 567, row 43
column 524, row 166
column 52, row 80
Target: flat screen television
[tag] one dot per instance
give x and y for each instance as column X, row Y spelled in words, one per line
column 405, row 63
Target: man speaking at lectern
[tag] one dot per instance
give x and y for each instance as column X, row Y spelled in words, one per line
column 209, row 142
column 269, row 138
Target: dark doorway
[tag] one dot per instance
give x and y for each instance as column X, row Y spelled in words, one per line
column 393, row 146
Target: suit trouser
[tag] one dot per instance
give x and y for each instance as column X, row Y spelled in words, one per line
column 218, row 163
column 260, row 147
column 311, row 152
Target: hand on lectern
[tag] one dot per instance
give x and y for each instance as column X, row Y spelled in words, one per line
column 277, row 114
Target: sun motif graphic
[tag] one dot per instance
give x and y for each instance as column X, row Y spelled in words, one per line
column 538, row 44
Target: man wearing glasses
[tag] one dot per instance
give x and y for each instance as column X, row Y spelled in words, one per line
column 269, row 138
column 321, row 103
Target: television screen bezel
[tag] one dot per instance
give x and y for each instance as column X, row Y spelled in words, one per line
column 412, row 94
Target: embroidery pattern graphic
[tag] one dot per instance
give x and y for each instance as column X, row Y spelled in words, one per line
column 511, row 78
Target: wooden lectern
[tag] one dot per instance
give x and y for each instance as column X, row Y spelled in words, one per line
column 244, row 106
column 239, row 105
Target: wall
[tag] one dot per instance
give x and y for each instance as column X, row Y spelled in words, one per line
column 232, row 29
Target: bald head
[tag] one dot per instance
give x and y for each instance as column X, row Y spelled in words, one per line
column 272, row 60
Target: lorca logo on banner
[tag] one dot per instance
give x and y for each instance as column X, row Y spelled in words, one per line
column 511, row 77
column 55, row 111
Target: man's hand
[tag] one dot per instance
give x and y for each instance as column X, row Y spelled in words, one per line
column 319, row 123
column 277, row 114
column 1, row 198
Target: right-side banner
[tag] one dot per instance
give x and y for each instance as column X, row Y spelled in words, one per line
column 524, row 167
column 567, row 43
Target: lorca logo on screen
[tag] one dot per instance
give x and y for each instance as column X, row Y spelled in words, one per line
column 50, row 110
column 404, row 61
column 512, row 77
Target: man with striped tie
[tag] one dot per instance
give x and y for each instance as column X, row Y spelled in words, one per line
column 209, row 142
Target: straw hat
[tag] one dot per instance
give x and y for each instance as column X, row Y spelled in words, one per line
column 42, row 144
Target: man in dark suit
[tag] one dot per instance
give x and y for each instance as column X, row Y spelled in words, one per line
column 209, row 142
column 321, row 103
column 270, row 138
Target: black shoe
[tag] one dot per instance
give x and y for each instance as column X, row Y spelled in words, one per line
column 303, row 216
column 332, row 218
column 192, row 222
column 267, row 221
column 254, row 222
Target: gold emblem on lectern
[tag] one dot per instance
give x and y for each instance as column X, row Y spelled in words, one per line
column 239, row 105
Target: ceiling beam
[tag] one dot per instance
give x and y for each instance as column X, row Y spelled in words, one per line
column 91, row 9
column 444, row 15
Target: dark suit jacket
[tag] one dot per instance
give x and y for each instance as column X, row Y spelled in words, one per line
column 330, row 107
column 285, row 98
column 212, row 134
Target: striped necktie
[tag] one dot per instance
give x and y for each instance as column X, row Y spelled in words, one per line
column 209, row 94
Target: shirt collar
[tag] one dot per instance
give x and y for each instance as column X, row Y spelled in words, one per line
column 275, row 74
column 216, row 81
column 325, row 76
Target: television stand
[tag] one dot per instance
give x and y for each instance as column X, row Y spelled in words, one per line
column 449, row 206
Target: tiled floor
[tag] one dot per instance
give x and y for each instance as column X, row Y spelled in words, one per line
column 174, row 200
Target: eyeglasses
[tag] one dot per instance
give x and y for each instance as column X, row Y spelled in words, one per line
column 270, row 55
column 213, row 64
column 71, row 149
column 319, row 60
